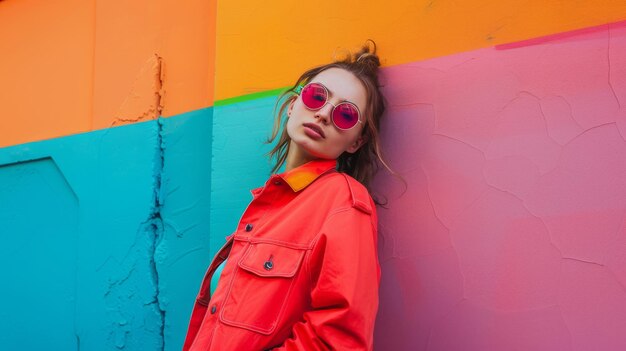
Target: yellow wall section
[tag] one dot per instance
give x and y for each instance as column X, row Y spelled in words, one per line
column 71, row 66
column 266, row 45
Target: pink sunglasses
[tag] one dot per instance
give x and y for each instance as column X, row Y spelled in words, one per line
column 345, row 115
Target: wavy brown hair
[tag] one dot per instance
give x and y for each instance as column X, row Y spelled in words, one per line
column 364, row 163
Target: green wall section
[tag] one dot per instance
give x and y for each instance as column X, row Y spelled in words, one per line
column 104, row 236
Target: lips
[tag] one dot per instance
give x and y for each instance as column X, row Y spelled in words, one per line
column 315, row 128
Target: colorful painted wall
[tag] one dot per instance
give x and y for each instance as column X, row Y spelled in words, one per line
column 131, row 133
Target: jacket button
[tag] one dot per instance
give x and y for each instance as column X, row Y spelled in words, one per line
column 277, row 182
column 268, row 265
column 248, row 227
column 213, row 309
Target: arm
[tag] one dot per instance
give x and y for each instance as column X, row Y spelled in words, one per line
column 345, row 277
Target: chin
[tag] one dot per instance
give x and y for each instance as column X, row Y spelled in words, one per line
column 311, row 147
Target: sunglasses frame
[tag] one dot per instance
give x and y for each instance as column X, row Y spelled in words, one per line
column 302, row 87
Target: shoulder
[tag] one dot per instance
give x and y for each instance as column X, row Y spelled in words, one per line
column 355, row 193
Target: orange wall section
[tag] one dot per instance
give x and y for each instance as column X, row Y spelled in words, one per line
column 46, row 68
column 151, row 59
column 262, row 47
column 72, row 66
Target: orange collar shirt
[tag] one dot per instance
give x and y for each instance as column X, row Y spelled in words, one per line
column 301, row 270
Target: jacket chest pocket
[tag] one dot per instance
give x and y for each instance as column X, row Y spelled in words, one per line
column 258, row 292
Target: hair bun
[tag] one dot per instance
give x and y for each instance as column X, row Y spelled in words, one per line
column 366, row 56
column 363, row 56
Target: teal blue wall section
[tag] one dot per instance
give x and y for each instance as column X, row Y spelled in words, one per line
column 239, row 163
column 104, row 236
column 183, row 255
column 39, row 222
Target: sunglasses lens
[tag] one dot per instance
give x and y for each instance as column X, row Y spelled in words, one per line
column 345, row 116
column 314, row 96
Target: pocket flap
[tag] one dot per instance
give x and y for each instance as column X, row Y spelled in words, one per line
column 271, row 260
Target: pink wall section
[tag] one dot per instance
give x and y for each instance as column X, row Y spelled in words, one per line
column 511, row 233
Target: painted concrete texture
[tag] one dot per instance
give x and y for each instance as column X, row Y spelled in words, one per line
column 101, row 63
column 105, row 236
column 38, row 255
column 238, row 163
column 511, row 231
column 183, row 254
column 118, row 62
column 259, row 48
column 510, row 235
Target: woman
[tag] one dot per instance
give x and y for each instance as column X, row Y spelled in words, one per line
column 301, row 270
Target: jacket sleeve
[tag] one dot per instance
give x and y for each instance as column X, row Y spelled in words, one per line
column 345, row 276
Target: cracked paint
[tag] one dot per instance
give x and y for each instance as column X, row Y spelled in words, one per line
column 128, row 288
column 139, row 105
column 511, row 231
column 151, row 231
column 111, row 245
column 142, row 258
column 157, row 225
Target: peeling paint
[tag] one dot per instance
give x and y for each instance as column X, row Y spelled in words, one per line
column 145, row 99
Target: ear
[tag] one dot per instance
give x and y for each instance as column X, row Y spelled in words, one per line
column 293, row 101
column 356, row 145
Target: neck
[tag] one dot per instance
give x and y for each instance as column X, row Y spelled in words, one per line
column 296, row 157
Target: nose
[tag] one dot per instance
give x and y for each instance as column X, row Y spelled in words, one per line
column 325, row 112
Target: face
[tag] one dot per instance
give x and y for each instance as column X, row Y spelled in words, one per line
column 313, row 134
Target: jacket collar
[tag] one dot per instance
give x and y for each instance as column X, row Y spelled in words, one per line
column 301, row 176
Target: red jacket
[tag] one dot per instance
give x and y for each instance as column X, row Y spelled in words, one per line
column 302, row 270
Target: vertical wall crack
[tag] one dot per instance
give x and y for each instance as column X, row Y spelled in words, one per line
column 159, row 92
column 156, row 225
column 156, row 221
column 608, row 59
